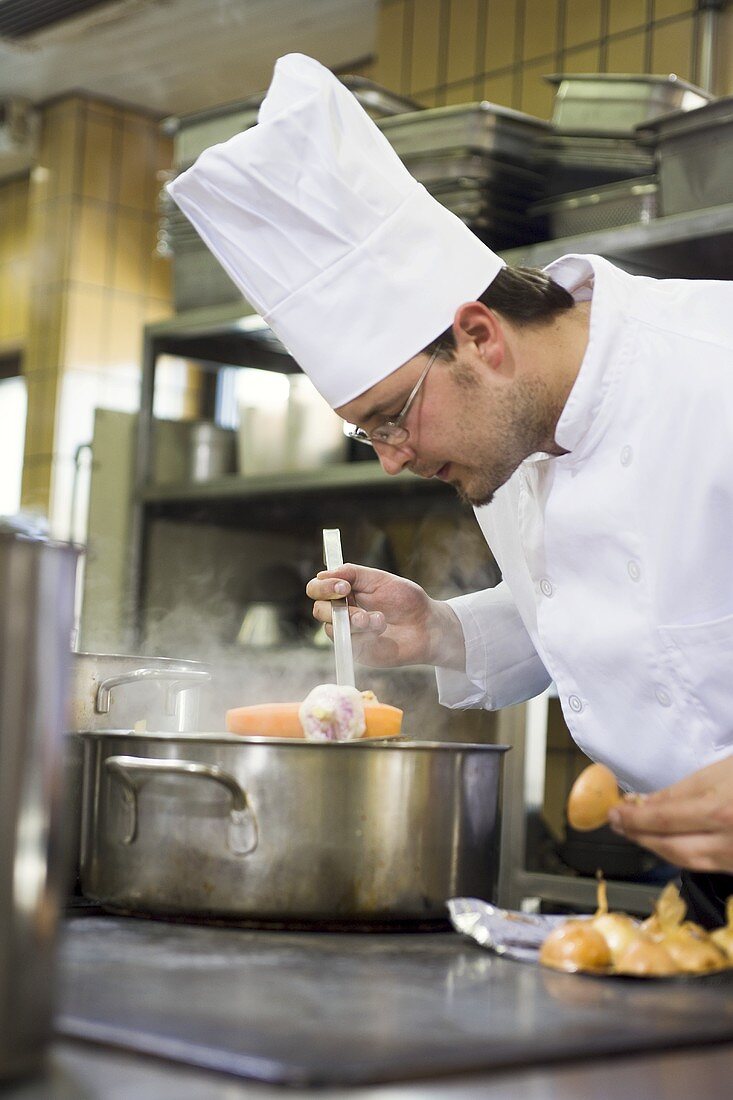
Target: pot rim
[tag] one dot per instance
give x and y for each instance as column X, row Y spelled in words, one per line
column 140, row 657
column 223, row 738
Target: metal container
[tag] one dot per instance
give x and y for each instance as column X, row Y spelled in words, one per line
column 214, row 825
column 195, row 132
column 115, row 690
column 37, row 579
column 281, row 432
column 482, row 127
column 199, row 280
column 616, row 103
column 575, row 162
column 464, row 167
column 694, row 154
column 212, row 451
column 624, row 203
column 111, row 691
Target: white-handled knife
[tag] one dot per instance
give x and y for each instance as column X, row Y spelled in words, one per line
column 333, row 557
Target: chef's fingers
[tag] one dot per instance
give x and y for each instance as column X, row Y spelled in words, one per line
column 362, row 582
column 694, row 851
column 361, row 621
column 328, row 586
column 670, row 816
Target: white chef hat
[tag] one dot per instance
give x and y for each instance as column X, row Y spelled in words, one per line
column 354, row 266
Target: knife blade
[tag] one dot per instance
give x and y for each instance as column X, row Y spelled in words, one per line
column 333, row 557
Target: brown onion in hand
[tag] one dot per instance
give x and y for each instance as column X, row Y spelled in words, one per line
column 593, row 794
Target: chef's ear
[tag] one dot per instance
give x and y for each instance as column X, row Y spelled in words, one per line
column 477, row 326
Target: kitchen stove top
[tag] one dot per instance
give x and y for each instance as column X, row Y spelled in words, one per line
column 323, row 1008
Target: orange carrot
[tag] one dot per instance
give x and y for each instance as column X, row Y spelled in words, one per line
column 281, row 720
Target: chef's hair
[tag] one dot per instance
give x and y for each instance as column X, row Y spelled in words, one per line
column 524, row 295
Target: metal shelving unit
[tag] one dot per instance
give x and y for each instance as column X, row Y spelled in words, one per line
column 695, row 245
column 278, row 501
column 357, row 477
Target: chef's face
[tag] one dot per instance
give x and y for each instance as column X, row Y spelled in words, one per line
column 474, row 420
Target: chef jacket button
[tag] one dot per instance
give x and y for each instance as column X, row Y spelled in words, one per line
column 545, row 587
column 634, row 570
column 663, row 697
column 626, row 456
column 575, row 703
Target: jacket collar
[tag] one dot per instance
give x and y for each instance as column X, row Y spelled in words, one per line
column 590, row 278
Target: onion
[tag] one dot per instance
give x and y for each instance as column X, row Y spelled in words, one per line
column 618, row 930
column 593, row 794
column 646, row 959
column 691, row 954
column 575, row 945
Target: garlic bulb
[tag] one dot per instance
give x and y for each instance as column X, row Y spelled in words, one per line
column 332, row 712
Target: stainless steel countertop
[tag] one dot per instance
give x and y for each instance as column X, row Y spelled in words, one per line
column 432, row 1011
column 80, row 1072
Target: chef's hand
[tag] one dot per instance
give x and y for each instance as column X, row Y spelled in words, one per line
column 393, row 621
column 689, row 824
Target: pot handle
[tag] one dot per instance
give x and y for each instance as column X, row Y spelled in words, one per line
column 133, row 771
column 179, row 680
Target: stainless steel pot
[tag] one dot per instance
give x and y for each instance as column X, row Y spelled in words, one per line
column 263, row 829
column 113, row 690
column 37, row 579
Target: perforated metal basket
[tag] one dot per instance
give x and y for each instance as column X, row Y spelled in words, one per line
column 624, row 203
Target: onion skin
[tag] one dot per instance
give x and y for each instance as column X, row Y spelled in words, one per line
column 665, row 944
column 575, row 945
column 693, row 955
column 618, row 930
column 723, row 938
column 645, row 958
column 594, row 793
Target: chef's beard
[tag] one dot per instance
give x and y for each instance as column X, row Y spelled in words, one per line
column 502, row 431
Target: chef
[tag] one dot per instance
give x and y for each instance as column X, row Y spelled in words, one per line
column 585, row 413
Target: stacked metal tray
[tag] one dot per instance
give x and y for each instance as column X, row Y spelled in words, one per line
column 575, row 162
column 198, row 278
column 597, row 137
column 478, row 160
column 694, row 152
column 615, row 103
column 195, row 132
column 625, row 202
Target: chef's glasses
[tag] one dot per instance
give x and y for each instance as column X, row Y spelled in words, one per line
column 392, row 432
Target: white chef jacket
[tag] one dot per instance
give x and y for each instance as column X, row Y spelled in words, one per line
column 617, row 558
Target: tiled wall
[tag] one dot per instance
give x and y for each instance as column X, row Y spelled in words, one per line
column 14, row 265
column 455, row 51
column 95, row 281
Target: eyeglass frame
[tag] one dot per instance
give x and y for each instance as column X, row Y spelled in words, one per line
column 397, row 425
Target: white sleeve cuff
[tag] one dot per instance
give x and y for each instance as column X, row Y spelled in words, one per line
column 502, row 664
